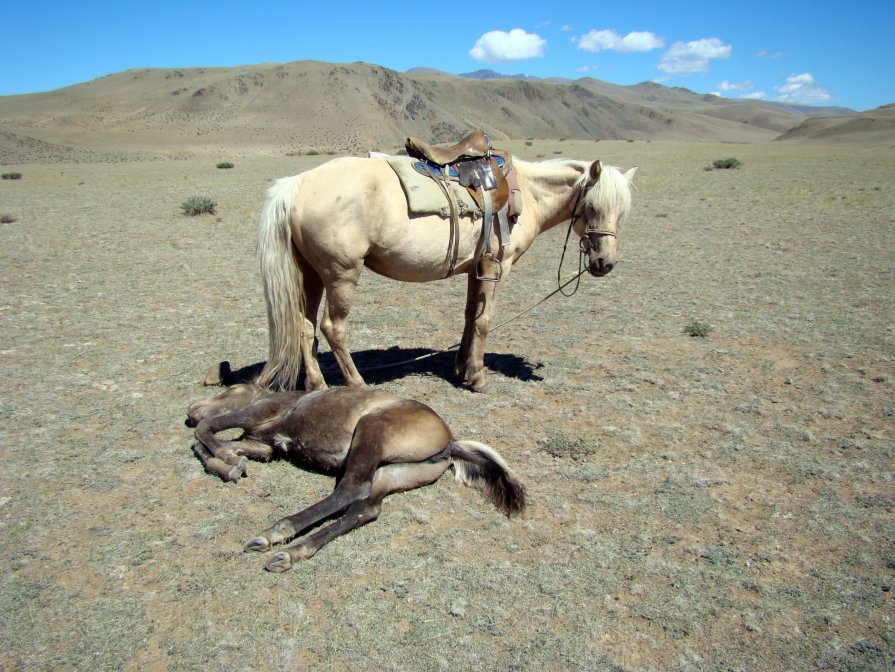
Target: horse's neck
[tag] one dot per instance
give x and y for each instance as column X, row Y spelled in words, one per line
column 550, row 188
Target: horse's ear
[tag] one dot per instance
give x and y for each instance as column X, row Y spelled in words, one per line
column 629, row 174
column 595, row 169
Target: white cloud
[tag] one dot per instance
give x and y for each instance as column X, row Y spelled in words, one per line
column 566, row 28
column 801, row 89
column 598, row 40
column 497, row 46
column 735, row 86
column 764, row 53
column 690, row 58
column 587, row 68
column 755, row 95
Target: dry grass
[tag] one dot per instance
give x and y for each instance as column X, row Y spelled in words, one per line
column 720, row 503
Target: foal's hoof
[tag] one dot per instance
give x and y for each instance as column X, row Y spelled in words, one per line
column 239, row 470
column 258, row 544
column 280, row 562
column 218, row 374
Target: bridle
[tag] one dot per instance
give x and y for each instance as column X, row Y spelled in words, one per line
column 586, row 242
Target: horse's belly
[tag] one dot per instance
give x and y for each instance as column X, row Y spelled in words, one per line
column 421, row 250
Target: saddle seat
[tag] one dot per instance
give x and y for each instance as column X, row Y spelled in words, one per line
column 489, row 178
column 474, row 146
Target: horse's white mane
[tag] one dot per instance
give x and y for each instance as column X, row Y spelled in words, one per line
column 613, row 192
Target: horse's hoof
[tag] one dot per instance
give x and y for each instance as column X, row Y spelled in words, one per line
column 257, row 544
column 482, row 385
column 280, row 562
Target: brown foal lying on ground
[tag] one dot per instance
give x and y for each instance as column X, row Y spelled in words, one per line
column 373, row 442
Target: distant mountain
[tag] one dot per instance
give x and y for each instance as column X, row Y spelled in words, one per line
column 313, row 107
column 873, row 126
column 814, row 110
column 491, row 74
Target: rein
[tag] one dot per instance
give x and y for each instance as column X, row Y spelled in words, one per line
column 456, row 345
column 584, row 243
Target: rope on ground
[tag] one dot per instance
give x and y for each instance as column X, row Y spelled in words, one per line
column 429, row 355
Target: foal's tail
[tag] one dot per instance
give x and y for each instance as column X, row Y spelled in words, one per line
column 480, row 466
column 282, row 287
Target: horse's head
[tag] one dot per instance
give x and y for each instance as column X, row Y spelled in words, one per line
column 603, row 202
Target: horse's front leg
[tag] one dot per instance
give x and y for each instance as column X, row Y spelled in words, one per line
column 480, row 301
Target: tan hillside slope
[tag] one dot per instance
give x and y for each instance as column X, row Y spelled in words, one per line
column 871, row 127
column 308, row 106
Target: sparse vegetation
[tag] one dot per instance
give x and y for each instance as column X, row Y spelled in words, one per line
column 7, row 219
column 12, row 176
column 198, row 205
column 698, row 329
column 726, row 164
column 225, row 165
column 559, row 444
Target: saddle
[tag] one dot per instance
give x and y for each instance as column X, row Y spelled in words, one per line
column 490, row 179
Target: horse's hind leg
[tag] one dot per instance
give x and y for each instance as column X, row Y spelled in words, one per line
column 334, row 325
column 387, row 480
column 313, row 293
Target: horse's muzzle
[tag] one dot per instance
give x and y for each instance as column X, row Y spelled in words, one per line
column 599, row 266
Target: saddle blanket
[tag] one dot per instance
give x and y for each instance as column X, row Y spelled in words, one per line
column 424, row 196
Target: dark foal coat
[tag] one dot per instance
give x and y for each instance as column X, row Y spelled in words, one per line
column 374, row 442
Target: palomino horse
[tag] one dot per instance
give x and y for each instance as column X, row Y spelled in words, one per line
column 375, row 443
column 320, row 228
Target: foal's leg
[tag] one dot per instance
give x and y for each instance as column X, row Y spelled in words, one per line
column 403, row 433
column 228, row 452
column 334, row 325
column 388, row 479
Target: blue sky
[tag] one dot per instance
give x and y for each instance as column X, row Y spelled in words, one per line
column 822, row 53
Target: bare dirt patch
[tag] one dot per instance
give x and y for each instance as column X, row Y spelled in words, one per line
column 716, row 503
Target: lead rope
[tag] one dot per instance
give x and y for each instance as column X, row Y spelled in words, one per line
column 420, row 358
column 559, row 288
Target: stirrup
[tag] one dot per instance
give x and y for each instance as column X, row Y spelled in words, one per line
column 489, row 277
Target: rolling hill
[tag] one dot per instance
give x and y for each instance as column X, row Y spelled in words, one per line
column 309, row 106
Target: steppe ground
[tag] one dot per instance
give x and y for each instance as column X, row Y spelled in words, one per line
column 696, row 503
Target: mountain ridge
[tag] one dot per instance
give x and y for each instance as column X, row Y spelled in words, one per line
column 313, row 106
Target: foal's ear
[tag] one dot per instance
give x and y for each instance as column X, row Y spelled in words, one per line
column 629, row 174
column 595, row 169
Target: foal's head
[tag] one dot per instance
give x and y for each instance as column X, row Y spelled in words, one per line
column 232, row 399
column 604, row 200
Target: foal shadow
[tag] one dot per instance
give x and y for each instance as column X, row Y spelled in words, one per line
column 385, row 365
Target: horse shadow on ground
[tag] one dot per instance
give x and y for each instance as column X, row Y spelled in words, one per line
column 385, row 365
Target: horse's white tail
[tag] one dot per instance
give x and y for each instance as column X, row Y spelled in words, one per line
column 282, row 287
column 480, row 466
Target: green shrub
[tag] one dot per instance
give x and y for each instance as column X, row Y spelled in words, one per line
column 225, row 164
column 7, row 219
column 727, row 164
column 698, row 329
column 197, row 205
column 12, row 176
